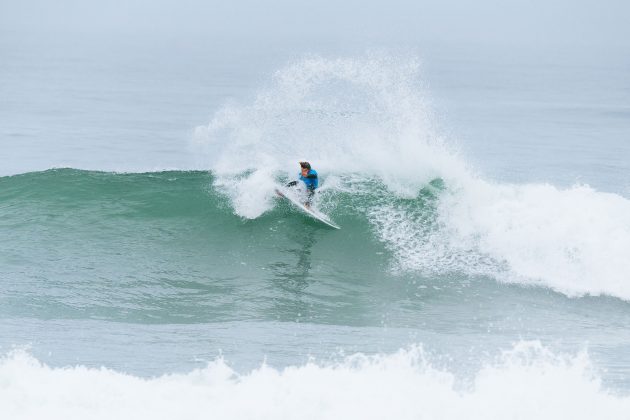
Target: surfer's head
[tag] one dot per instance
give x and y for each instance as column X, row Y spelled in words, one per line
column 306, row 167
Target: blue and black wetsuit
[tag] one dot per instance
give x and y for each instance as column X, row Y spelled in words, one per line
column 311, row 181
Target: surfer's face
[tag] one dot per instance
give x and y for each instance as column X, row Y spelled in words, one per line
column 304, row 171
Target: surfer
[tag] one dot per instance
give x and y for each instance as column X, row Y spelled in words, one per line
column 309, row 177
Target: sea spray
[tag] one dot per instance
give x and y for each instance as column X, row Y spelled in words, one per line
column 346, row 116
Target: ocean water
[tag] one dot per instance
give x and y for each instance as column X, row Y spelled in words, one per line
column 148, row 270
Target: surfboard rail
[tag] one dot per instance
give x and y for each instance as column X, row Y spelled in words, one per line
column 308, row 210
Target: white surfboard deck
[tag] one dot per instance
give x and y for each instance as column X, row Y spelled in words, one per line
column 310, row 211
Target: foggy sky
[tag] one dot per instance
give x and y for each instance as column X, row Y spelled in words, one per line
column 534, row 23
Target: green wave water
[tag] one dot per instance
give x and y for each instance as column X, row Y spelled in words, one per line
column 103, row 261
column 167, row 247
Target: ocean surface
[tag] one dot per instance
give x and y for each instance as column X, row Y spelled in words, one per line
column 147, row 269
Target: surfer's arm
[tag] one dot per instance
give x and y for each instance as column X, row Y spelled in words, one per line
column 311, row 184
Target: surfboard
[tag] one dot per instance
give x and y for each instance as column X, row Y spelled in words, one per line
column 310, row 211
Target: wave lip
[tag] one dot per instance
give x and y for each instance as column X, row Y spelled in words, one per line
column 527, row 382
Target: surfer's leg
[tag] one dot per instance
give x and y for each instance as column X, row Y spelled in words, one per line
column 309, row 197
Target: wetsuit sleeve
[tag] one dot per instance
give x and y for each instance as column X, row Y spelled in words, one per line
column 312, row 176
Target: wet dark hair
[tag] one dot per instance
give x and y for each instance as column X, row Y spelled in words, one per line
column 305, row 165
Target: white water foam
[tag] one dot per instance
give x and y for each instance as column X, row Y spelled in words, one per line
column 527, row 382
column 368, row 117
column 572, row 240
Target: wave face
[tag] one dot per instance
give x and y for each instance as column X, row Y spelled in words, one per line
column 161, row 262
column 80, row 224
column 166, row 247
column 366, row 124
column 526, row 382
